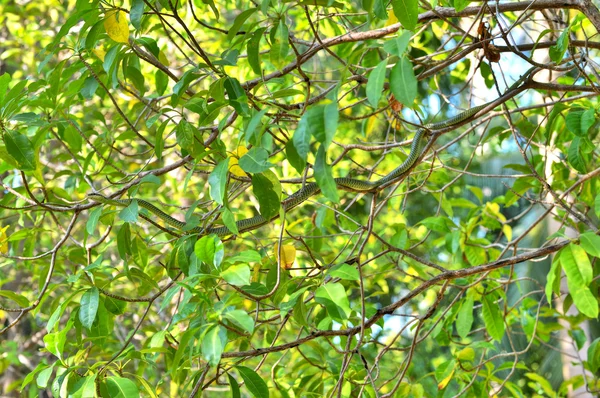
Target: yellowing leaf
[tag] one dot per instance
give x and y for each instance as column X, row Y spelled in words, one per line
column 234, row 167
column 288, row 255
column 392, row 18
column 116, row 26
column 3, row 241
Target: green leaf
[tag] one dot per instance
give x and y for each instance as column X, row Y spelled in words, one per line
column 185, row 134
column 120, row 387
column 403, row 82
column 237, row 275
column 217, row 180
column 21, row 149
column 375, row 83
column 577, row 267
column 590, row 242
column 476, row 255
column 130, row 213
column 212, row 347
column 460, row 5
column 588, row 119
column 597, row 205
column 293, row 157
column 575, row 156
column 92, row 221
column 236, row 96
column 585, row 301
column 89, row 307
column 557, row 52
column 464, row 319
column 241, row 319
column 229, row 221
column 257, row 386
column 335, row 299
column 486, row 73
column 89, row 88
column 268, row 197
column 573, row 121
column 4, row 81
column 255, row 160
column 493, row 319
column 407, row 12
column 238, row 22
column 250, row 135
column 324, row 176
column 124, row 241
column 209, row 249
column 553, row 278
column 379, row 9
column 397, row 46
column 280, row 45
column 593, row 355
column 235, row 387
column 16, row 297
column 253, row 49
column 346, row 272
column 136, row 13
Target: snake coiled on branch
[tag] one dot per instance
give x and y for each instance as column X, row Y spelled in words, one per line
column 310, row 189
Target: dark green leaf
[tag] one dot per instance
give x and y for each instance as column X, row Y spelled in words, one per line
column 92, row 221
column 235, row 387
column 464, row 320
column 21, row 149
column 573, row 121
column 229, row 221
column 375, row 83
column 575, row 155
column 493, row 319
column 293, row 157
column 120, row 387
column 89, row 307
column 254, row 383
column 253, row 49
column 237, row 96
column 557, row 52
column 238, row 22
column 280, row 45
column 89, row 87
column 335, row 299
column 268, row 198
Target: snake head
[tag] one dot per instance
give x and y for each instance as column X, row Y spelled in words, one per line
column 96, row 197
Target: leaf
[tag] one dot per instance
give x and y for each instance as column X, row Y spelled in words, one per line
column 403, row 82
column 280, row 45
column 553, row 278
column 287, row 255
column 590, row 242
column 253, row 49
column 185, row 134
column 593, row 355
column 136, row 13
column 3, row 240
column 375, row 83
column 575, row 156
column 4, row 81
column 577, row 267
column 116, row 26
column 557, row 51
column 92, row 221
column 345, row 272
column 324, row 176
column 255, row 161
column 464, row 319
column 573, row 122
column 237, row 275
column 407, row 12
column 130, row 213
column 217, row 180
column 398, row 45
column 492, row 317
column 253, row 381
column 212, row 348
column 588, row 118
column 293, row 157
column 333, row 296
column 241, row 319
column 238, row 22
column 89, row 88
column 21, row 149
column 236, row 96
column 89, row 307
column 209, row 249
column 254, row 122
column 120, row 387
column 229, row 221
column 234, row 167
column 460, row 5
column 17, row 298
column 268, row 197
column 585, row 301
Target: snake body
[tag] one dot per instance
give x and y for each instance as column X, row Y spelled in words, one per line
column 310, row 189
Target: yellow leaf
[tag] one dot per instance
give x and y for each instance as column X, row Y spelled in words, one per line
column 3, row 241
column 100, row 53
column 391, row 18
column 288, row 255
column 234, row 167
column 442, row 384
column 116, row 26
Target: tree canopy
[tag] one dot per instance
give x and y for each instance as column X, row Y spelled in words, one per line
column 247, row 241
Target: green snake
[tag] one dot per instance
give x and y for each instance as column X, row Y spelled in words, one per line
column 310, row 189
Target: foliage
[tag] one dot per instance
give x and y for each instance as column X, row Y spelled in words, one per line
column 459, row 278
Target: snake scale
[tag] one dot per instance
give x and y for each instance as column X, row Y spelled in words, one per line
column 310, row 189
